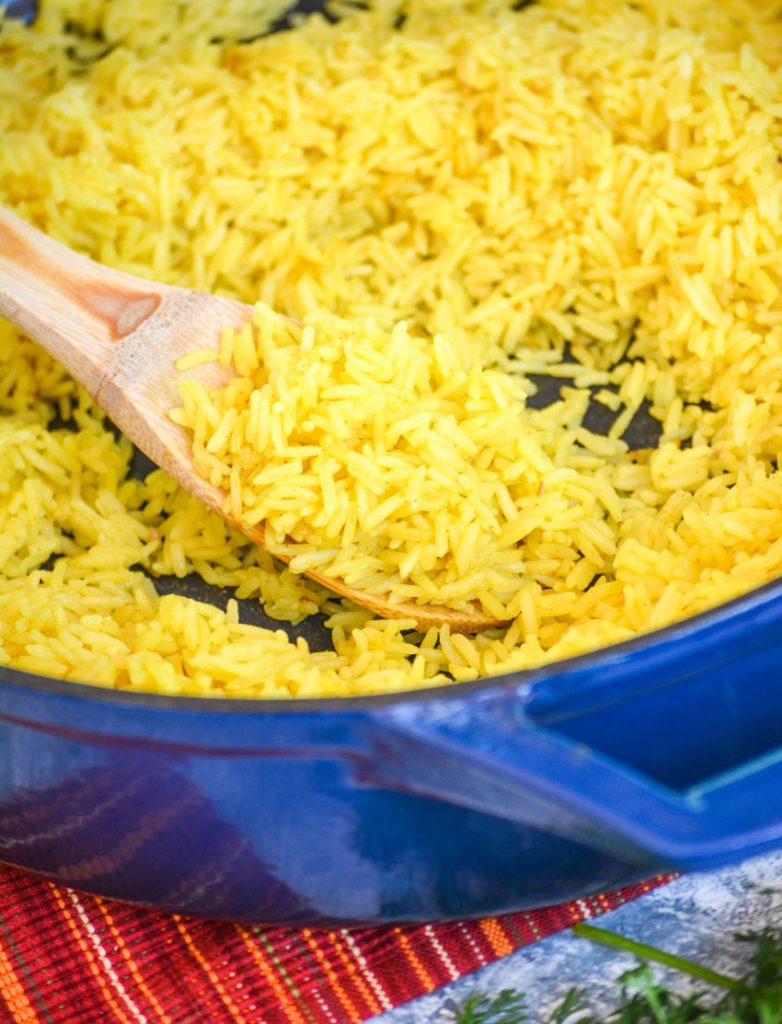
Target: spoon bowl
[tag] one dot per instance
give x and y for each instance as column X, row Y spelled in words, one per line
column 120, row 337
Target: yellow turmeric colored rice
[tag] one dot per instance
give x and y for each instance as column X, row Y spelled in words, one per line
column 449, row 204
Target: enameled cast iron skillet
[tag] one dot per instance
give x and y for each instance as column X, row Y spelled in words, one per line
column 479, row 798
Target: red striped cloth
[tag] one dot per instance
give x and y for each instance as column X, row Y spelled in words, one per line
column 69, row 958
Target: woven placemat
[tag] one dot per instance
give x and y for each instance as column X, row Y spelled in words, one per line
column 70, row 957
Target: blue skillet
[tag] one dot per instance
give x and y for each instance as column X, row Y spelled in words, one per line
column 523, row 790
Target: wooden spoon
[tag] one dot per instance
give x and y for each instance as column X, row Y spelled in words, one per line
column 120, row 337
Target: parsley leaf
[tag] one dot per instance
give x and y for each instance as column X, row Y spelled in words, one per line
column 756, row 998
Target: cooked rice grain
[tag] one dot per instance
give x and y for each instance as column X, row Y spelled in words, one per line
column 445, row 206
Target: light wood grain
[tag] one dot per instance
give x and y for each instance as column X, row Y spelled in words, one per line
column 120, row 336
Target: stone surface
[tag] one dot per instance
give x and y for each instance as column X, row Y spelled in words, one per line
column 696, row 915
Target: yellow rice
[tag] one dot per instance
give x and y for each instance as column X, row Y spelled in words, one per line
column 445, row 206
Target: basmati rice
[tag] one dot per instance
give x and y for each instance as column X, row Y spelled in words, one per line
column 446, row 204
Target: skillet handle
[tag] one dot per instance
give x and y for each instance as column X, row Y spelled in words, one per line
column 667, row 750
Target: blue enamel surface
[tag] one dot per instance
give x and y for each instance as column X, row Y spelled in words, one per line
column 24, row 10
column 474, row 799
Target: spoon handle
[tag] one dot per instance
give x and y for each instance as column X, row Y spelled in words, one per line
column 78, row 310
column 117, row 335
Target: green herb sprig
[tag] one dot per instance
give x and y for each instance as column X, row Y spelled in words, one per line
column 755, row 998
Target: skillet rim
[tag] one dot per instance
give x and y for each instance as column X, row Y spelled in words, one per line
column 681, row 633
